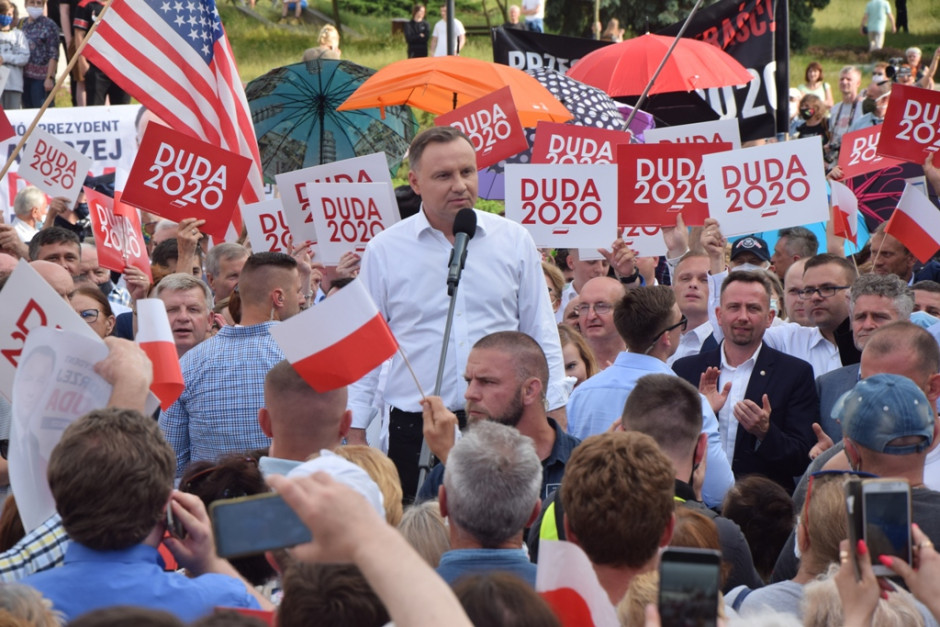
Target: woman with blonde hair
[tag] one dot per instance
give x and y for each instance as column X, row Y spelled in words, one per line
column 578, row 358
column 327, row 45
column 383, row 472
column 613, row 32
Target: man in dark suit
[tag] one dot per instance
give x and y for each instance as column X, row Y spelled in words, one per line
column 765, row 400
column 874, row 301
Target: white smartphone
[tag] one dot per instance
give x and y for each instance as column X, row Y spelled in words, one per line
column 886, row 514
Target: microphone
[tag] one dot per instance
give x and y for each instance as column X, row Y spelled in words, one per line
column 465, row 227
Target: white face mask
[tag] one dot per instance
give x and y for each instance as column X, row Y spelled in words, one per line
column 34, row 12
column 748, row 266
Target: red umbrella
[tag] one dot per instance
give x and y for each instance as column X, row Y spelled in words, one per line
column 625, row 68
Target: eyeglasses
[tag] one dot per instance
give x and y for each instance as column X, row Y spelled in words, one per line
column 682, row 324
column 599, row 308
column 89, row 315
column 826, row 291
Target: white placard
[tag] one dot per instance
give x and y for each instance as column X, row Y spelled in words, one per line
column 267, row 227
column 569, row 206
column 767, row 187
column 293, row 187
column 700, row 132
column 647, row 241
column 53, row 166
column 54, row 385
column 27, row 302
column 348, row 215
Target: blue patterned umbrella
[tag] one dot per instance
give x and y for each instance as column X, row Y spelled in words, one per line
column 293, row 109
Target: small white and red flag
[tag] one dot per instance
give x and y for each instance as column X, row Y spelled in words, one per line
column 156, row 339
column 845, row 212
column 916, row 224
column 338, row 341
column 568, row 583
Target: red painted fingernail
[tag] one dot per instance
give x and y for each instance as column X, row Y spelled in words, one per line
column 860, row 548
column 884, row 559
column 884, row 595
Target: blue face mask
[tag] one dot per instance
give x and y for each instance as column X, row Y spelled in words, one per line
column 5, row 20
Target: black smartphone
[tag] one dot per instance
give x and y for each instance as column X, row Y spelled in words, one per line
column 689, row 581
column 254, row 524
column 174, row 525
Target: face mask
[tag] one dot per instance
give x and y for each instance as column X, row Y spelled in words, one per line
column 5, row 20
column 106, row 287
column 868, row 105
column 82, row 208
column 34, row 12
column 807, row 113
column 747, row 266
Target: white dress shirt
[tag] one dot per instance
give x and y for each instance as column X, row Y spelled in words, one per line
column 739, row 377
column 24, row 230
column 502, row 288
column 691, row 342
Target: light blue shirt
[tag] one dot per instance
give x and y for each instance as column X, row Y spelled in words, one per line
column 598, row 402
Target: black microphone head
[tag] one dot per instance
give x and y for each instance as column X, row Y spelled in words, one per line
column 466, row 222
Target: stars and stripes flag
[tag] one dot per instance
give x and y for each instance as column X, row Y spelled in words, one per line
column 174, row 58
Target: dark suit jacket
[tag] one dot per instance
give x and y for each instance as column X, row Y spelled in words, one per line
column 829, row 387
column 794, row 407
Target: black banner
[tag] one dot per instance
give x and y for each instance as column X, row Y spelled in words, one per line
column 757, row 34
column 525, row 50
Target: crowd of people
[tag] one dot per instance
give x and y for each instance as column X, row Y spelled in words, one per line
column 621, row 404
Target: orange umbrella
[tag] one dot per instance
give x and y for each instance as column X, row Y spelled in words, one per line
column 624, row 69
column 441, row 84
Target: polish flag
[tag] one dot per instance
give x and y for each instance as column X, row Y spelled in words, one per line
column 338, row 341
column 844, row 212
column 156, row 339
column 916, row 224
column 568, row 583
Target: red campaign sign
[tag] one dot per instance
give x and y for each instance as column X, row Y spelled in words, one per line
column 118, row 236
column 859, row 153
column 570, row 143
column 492, row 124
column 6, row 128
column 911, row 129
column 176, row 176
column 657, row 181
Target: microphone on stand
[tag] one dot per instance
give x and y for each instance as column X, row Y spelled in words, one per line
column 465, row 227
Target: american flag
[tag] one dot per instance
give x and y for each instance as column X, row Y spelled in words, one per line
column 174, row 58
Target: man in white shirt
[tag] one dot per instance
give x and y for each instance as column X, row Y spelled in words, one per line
column 844, row 113
column 30, row 208
column 582, row 272
column 438, row 45
column 534, row 11
column 405, row 268
column 690, row 283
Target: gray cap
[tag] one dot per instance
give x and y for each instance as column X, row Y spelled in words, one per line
column 881, row 409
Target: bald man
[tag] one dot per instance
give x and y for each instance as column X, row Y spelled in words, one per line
column 56, row 276
column 299, row 420
column 596, row 318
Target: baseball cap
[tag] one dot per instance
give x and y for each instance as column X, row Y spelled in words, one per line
column 753, row 245
column 885, row 407
column 346, row 472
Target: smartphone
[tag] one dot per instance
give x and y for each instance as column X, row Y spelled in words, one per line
column 886, row 512
column 254, row 524
column 174, row 525
column 689, row 580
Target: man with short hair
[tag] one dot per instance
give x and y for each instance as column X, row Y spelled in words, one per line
column 188, row 303
column 844, row 113
column 690, row 283
column 59, row 246
column 890, row 256
column 927, row 297
column 618, row 497
column 649, row 321
column 438, row 45
column 224, row 376
column 30, row 207
column 793, row 243
column 299, row 420
column 506, row 377
column 765, row 399
column 56, row 276
column 581, row 273
column 502, row 288
column 874, row 301
column 223, row 266
column 490, row 495
column 596, row 318
column 793, row 295
column 90, row 270
column 114, row 512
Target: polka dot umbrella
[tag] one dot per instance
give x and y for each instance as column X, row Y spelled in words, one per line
column 589, row 105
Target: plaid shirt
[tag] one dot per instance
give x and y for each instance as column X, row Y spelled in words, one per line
column 217, row 413
column 41, row 549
